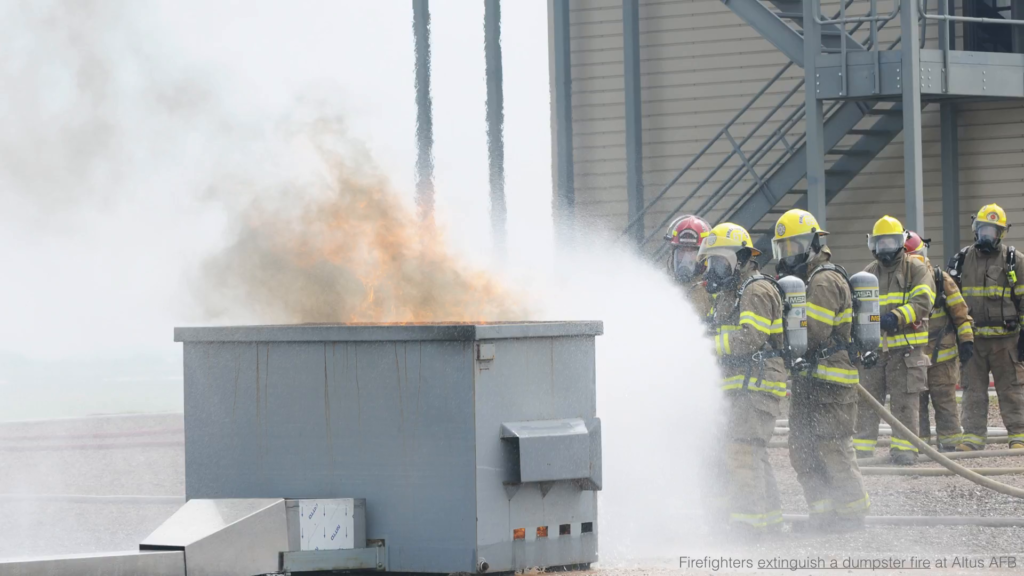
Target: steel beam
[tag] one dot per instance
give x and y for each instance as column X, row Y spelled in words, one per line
column 634, row 118
column 771, row 28
column 950, row 181
column 495, row 121
column 913, row 174
column 564, row 201
column 814, row 120
column 424, row 113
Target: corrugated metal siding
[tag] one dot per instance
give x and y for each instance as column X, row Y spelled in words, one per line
column 700, row 65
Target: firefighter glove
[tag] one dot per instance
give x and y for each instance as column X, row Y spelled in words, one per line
column 967, row 351
column 890, row 323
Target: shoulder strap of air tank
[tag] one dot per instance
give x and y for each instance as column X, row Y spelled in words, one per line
column 1011, row 273
column 940, row 288
column 956, row 264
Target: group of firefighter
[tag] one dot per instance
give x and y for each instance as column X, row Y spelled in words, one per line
column 902, row 328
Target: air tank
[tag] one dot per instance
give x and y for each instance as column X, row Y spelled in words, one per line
column 796, row 318
column 867, row 333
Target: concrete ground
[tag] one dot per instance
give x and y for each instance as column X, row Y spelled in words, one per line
column 53, row 470
column 103, row 484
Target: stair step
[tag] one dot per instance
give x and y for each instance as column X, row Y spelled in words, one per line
column 831, row 172
column 754, row 231
column 847, row 152
column 884, row 112
column 867, row 132
column 797, row 191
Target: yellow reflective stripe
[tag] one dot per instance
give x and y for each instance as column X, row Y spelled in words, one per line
column 722, row 344
column 840, row 375
column 954, row 299
column 900, row 444
column 946, row 354
column 759, row 322
column 844, row 317
column 864, row 445
column 891, row 298
column 1018, row 290
column 973, row 439
column 908, row 313
column 1013, row 437
column 950, row 439
column 964, row 329
column 985, row 291
column 821, row 507
column 823, row 315
column 755, row 520
column 773, row 517
column 908, row 339
column 992, row 331
column 856, row 506
column 767, row 386
column 923, row 289
column 938, row 312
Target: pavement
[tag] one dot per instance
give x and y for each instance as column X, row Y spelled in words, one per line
column 72, row 486
column 104, row 483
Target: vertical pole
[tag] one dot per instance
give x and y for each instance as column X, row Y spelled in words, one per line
column 913, row 175
column 634, row 118
column 565, row 193
column 814, row 120
column 950, row 181
column 424, row 114
column 495, row 121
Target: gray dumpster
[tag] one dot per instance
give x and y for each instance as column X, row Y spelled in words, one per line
column 475, row 446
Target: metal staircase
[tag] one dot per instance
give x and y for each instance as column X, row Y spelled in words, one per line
column 861, row 85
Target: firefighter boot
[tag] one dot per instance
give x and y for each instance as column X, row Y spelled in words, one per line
column 902, row 457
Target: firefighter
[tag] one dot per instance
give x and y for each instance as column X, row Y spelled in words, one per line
column 906, row 293
column 950, row 342
column 992, row 283
column 747, row 324
column 684, row 236
column 823, row 402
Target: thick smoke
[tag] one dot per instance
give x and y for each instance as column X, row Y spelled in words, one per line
column 342, row 246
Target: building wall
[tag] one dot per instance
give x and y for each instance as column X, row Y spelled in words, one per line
column 700, row 65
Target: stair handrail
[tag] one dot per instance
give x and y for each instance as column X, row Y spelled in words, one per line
column 722, row 191
column 704, row 150
column 946, row 18
column 759, row 153
column 729, row 212
column 672, row 182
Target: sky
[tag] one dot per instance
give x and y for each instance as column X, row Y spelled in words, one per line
column 128, row 115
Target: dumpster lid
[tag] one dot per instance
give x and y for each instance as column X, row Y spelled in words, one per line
column 368, row 332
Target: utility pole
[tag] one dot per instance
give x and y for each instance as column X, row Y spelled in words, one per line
column 424, row 113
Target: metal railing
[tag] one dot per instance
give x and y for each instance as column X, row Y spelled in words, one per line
column 748, row 161
column 944, row 32
column 877, row 22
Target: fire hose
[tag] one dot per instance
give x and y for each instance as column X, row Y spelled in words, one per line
column 935, row 454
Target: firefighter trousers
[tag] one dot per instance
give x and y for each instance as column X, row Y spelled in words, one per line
column 942, row 381
column 821, row 425
column 902, row 375
column 998, row 356
column 753, row 495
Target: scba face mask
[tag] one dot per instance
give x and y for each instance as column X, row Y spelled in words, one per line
column 720, row 274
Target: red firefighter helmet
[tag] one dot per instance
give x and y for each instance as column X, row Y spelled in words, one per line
column 685, row 235
column 687, row 230
column 915, row 245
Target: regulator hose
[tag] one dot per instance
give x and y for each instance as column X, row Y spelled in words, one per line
column 935, row 454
